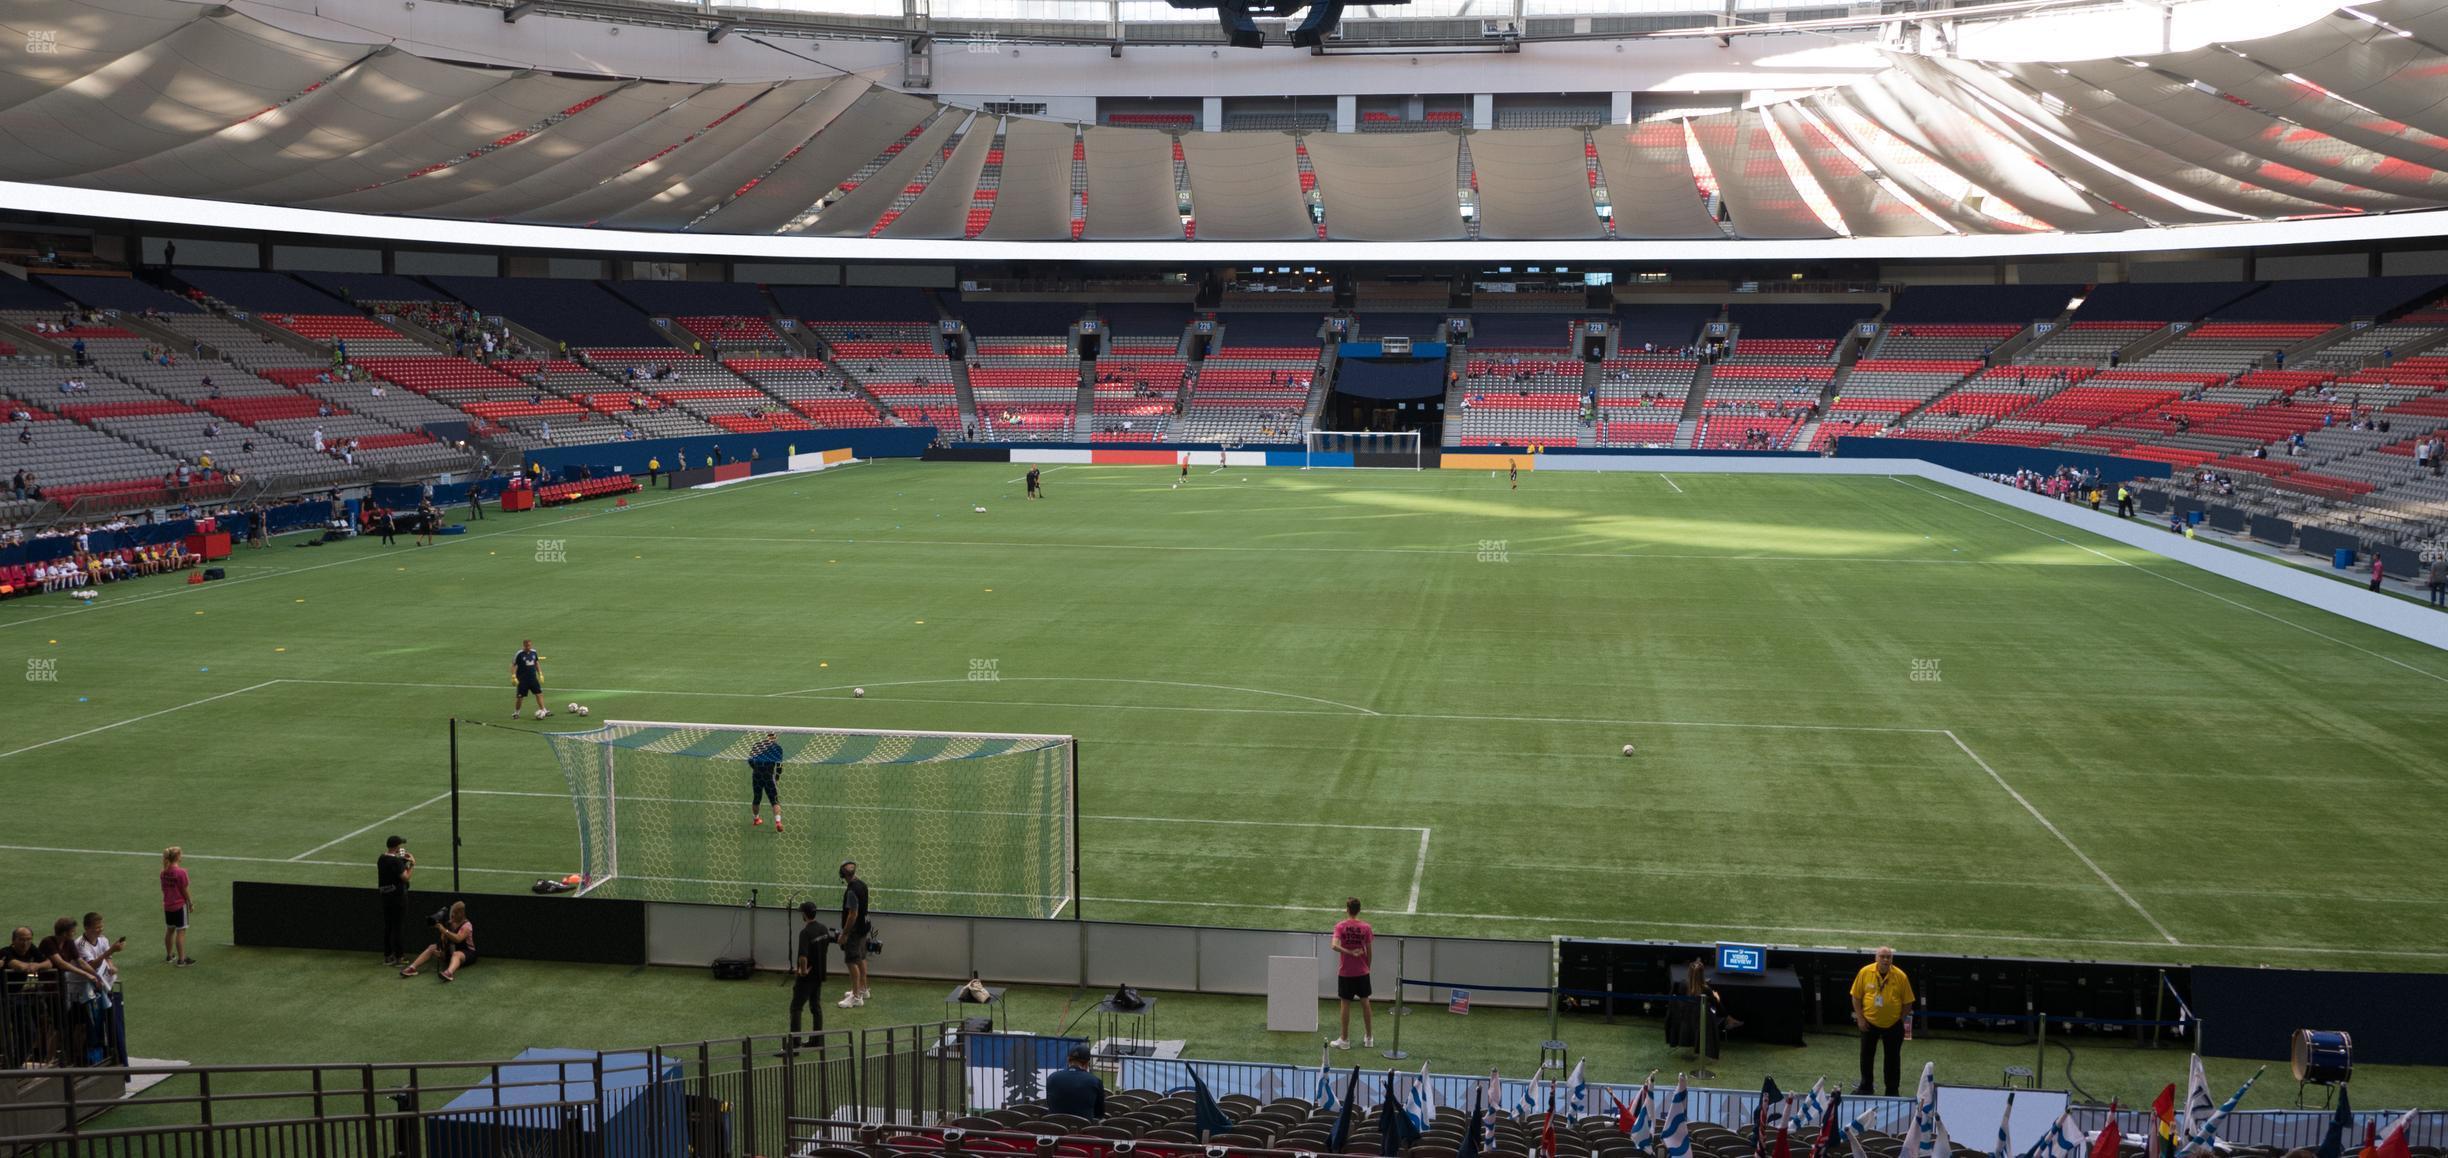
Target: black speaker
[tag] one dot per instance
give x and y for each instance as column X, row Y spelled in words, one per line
column 733, row 968
column 212, row 573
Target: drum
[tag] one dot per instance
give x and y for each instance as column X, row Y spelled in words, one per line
column 2323, row 1056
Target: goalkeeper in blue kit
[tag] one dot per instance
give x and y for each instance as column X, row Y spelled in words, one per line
column 765, row 780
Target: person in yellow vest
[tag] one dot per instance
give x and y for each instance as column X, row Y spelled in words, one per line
column 654, row 467
column 1882, row 1011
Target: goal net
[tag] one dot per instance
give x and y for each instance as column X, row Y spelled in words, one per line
column 966, row 823
column 1378, row 448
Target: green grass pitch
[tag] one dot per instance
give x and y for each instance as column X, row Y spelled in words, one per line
column 1867, row 709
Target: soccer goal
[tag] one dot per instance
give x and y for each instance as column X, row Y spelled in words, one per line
column 1377, row 448
column 964, row 823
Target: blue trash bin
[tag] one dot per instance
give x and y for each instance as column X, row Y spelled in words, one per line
column 2343, row 559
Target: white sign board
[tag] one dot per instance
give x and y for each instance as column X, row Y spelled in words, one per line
column 1292, row 994
column 1971, row 1116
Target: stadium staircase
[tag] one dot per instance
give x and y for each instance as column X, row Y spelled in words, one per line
column 1687, row 425
column 1083, row 405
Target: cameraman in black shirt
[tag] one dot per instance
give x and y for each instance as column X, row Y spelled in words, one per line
column 808, row 969
column 391, row 872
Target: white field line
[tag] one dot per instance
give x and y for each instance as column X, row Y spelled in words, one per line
column 354, row 833
column 1419, row 869
column 1040, row 474
column 1670, row 482
column 2312, row 631
column 134, row 720
column 1273, row 549
column 968, row 811
column 1082, row 680
column 2065, row 840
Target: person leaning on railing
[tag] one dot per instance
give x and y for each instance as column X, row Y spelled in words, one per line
column 25, row 975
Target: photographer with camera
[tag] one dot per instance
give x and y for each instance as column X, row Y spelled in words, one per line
column 454, row 942
column 854, row 934
column 392, row 871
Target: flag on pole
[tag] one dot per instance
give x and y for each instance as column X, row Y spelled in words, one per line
column 2163, row 1124
column 1764, row 1115
column 1325, row 1097
column 1343, row 1114
column 1419, row 1101
column 1921, row 1131
column 1547, row 1128
column 2333, row 1145
column 1831, row 1125
column 2110, row 1137
column 1208, row 1116
column 1784, row 1148
column 1677, row 1137
column 1470, row 1147
column 2205, row 1134
column 2197, row 1108
column 2061, row 1141
column 1643, row 1126
column 1270, row 1086
column 1395, row 1133
column 1814, row 1105
column 1524, row 1105
column 2005, row 1128
column 1576, row 1104
column 2371, row 1141
column 2393, row 1142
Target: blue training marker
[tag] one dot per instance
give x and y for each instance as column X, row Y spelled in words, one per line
column 203, row 669
column 80, row 699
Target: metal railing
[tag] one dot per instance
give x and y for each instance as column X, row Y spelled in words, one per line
column 729, row 1098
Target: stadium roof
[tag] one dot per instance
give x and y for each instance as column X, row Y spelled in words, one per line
column 2344, row 115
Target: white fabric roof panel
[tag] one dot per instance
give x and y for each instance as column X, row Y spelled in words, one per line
column 82, row 36
column 2309, row 105
column 1867, row 207
column 2083, row 127
column 1650, row 183
column 200, row 79
column 856, row 213
column 1925, row 121
column 1131, row 195
column 751, row 151
column 2370, row 66
column 2067, row 145
column 699, row 155
column 621, row 111
column 2261, row 136
column 942, row 211
column 1534, row 183
column 1899, row 162
column 1760, row 197
column 1389, row 186
column 1246, row 187
column 513, row 106
column 808, row 171
column 581, row 171
column 1033, row 193
column 379, row 97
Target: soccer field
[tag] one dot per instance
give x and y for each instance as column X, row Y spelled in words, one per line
column 1866, row 709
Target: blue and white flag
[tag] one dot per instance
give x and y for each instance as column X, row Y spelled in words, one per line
column 1814, row 1105
column 2196, row 1111
column 2005, row 1127
column 1270, row 1085
column 1921, row 1132
column 1576, row 1101
column 1524, row 1105
column 1644, row 1113
column 2063, row 1140
column 2205, row 1132
column 1325, row 1097
column 1419, row 1101
column 1676, row 1140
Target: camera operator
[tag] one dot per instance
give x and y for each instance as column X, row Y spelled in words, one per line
column 454, row 942
column 392, row 871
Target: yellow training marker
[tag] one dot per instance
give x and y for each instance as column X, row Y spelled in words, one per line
column 280, row 649
column 824, row 665
column 921, row 621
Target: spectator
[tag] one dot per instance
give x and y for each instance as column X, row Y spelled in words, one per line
column 99, row 988
column 1076, row 1089
column 1882, row 999
column 2436, row 578
column 454, row 943
column 177, row 905
column 392, row 873
column 1355, row 945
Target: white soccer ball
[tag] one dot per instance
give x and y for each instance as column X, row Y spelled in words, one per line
column 581, row 709
column 573, row 708
column 858, row 693
column 541, row 713
column 1627, row 749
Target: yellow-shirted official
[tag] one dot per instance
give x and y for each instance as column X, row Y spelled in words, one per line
column 1882, row 1007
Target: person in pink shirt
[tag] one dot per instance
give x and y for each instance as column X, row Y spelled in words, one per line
column 177, row 903
column 1354, row 945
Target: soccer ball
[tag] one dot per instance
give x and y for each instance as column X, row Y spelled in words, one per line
column 541, row 713
column 573, row 709
column 1627, row 749
column 581, row 709
column 858, row 693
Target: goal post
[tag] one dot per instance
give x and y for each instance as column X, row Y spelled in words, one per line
column 1399, row 449
column 958, row 823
